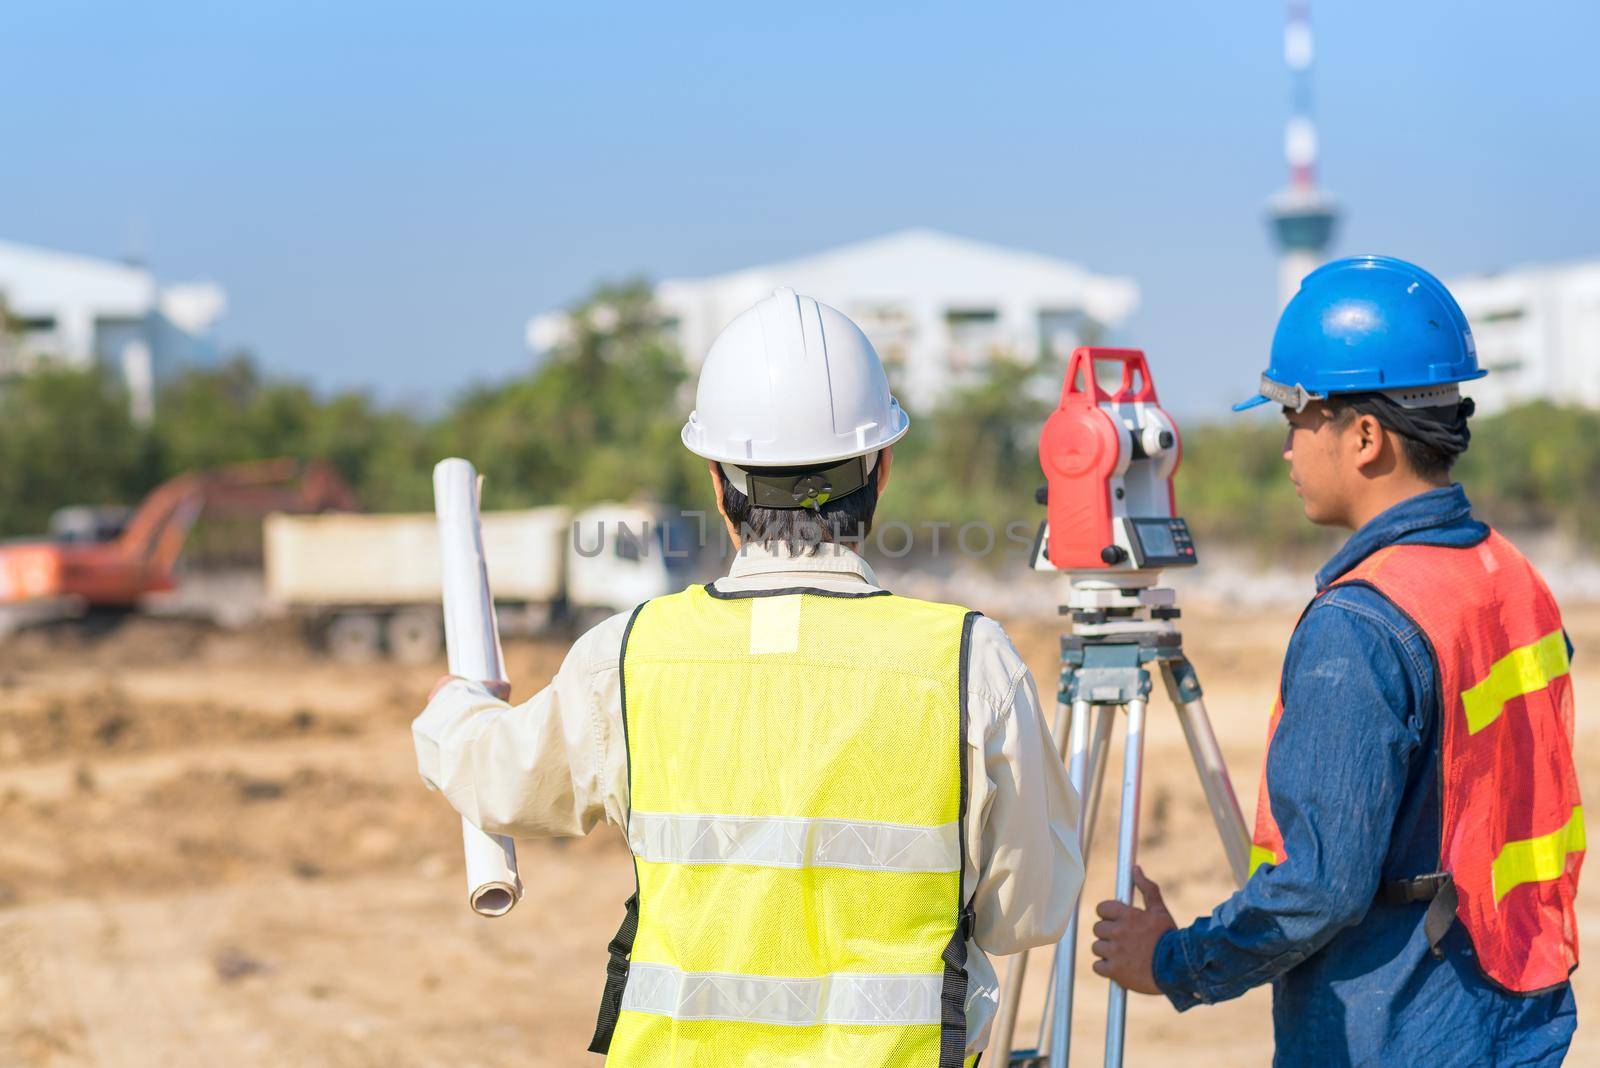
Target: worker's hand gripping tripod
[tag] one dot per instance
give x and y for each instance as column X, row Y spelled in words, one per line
column 1111, row 527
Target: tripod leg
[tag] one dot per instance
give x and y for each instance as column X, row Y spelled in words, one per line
column 1042, row 1044
column 1208, row 762
column 1127, row 844
column 1099, row 746
column 1002, row 1036
column 1067, row 947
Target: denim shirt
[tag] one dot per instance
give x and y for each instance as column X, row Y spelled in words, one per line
column 1353, row 781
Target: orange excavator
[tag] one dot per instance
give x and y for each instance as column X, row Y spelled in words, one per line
column 98, row 561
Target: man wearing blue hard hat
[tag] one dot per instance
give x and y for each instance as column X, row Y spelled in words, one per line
column 1418, row 829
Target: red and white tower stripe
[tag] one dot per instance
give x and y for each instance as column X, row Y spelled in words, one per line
column 1300, row 135
column 1302, row 215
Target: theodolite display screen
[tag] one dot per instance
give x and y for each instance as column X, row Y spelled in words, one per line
column 1162, row 543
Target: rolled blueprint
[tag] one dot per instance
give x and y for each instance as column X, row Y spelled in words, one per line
column 473, row 642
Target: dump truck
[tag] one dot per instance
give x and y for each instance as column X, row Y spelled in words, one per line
column 368, row 586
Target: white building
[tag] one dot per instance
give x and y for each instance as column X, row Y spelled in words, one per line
column 77, row 310
column 935, row 306
column 1538, row 333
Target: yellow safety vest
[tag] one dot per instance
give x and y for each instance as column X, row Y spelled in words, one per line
column 798, row 795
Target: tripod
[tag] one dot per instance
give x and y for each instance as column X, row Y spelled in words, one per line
column 1120, row 626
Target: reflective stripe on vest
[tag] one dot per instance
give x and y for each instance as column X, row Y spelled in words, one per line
column 785, row 842
column 796, row 801
column 1522, row 671
column 1537, row 860
column 1511, row 821
column 837, row 998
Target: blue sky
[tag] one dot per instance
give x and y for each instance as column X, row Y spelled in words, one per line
column 388, row 191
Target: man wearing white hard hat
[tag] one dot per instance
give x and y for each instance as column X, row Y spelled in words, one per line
column 838, row 799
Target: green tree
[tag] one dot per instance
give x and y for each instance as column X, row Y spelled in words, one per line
column 975, row 456
column 1532, row 466
column 1537, row 465
column 209, row 417
column 1233, row 486
column 66, row 438
column 597, row 419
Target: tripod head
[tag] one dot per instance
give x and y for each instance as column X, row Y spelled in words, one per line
column 1111, row 516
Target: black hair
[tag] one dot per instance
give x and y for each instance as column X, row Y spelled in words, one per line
column 1431, row 438
column 846, row 519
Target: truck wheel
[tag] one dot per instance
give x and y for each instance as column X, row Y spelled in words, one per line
column 415, row 635
column 354, row 638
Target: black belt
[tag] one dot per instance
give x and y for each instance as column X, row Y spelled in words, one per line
column 1439, row 890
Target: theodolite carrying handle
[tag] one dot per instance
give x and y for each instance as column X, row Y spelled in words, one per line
column 1136, row 385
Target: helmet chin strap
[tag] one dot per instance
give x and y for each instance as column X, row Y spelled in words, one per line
column 738, row 477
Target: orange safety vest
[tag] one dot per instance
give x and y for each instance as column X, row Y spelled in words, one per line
column 1511, row 837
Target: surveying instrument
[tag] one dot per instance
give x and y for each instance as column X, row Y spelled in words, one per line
column 1111, row 527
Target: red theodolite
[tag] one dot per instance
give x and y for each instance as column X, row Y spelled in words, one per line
column 1108, row 459
column 1111, row 527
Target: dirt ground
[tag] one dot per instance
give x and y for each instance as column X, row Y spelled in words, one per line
column 215, row 849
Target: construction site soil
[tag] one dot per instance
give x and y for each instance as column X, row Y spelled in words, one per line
column 216, row 850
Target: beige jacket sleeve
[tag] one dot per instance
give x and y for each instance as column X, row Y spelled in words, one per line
column 554, row 765
column 1025, row 835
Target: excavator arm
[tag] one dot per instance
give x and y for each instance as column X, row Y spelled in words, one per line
column 141, row 559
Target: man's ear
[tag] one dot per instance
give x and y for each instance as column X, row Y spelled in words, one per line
column 716, row 487
column 1367, row 439
column 882, row 471
column 722, row 504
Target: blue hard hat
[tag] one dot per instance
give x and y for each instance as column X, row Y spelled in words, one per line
column 1366, row 323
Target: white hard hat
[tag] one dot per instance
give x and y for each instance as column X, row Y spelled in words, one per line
column 792, row 382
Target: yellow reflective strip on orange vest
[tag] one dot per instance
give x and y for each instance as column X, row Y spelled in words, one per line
column 1537, row 860
column 1521, row 671
column 1260, row 855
